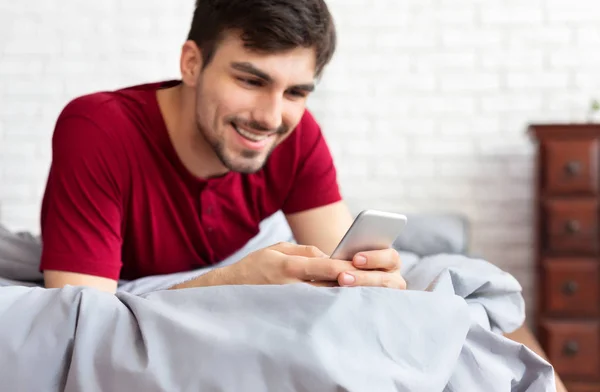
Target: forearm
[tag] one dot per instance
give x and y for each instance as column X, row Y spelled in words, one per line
column 58, row 279
column 322, row 227
column 217, row 277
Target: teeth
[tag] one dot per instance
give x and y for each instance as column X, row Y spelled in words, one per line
column 249, row 135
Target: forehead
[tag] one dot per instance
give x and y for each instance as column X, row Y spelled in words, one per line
column 294, row 65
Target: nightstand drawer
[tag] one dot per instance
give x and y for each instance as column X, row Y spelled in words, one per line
column 572, row 226
column 573, row 348
column 571, row 287
column 571, row 166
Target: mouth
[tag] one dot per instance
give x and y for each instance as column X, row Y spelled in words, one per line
column 253, row 137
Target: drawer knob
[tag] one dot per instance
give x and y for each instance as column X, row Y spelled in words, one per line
column 571, row 348
column 573, row 168
column 573, row 226
column 570, row 288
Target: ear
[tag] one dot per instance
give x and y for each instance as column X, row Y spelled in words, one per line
column 190, row 63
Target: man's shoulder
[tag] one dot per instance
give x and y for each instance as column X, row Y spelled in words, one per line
column 111, row 112
column 298, row 146
column 105, row 105
column 89, row 106
column 308, row 123
column 305, row 134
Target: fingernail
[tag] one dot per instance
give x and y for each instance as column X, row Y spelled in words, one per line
column 348, row 279
column 360, row 260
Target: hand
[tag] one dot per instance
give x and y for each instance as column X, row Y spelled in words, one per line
column 379, row 268
column 286, row 263
column 283, row 263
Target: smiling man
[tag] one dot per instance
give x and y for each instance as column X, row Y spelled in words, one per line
column 177, row 175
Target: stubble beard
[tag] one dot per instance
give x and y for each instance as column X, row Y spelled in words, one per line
column 217, row 143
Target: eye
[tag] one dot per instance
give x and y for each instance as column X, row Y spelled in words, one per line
column 250, row 82
column 297, row 93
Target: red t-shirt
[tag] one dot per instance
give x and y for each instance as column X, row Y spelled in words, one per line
column 120, row 204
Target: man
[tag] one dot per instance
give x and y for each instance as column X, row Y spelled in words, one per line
column 174, row 176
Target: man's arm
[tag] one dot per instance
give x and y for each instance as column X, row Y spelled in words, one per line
column 322, row 227
column 82, row 207
column 59, row 279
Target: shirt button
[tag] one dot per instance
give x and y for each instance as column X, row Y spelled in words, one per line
column 209, row 210
column 209, row 229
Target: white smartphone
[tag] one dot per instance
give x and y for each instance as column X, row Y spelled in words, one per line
column 371, row 230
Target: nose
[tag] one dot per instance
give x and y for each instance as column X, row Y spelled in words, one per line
column 269, row 113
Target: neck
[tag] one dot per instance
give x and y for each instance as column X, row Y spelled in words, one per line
column 177, row 105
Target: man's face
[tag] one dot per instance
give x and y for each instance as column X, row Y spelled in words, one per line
column 248, row 103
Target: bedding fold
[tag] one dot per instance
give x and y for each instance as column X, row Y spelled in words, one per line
column 442, row 334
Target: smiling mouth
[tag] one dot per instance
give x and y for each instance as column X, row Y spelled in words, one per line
column 251, row 136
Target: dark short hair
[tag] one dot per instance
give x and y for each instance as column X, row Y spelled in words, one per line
column 268, row 26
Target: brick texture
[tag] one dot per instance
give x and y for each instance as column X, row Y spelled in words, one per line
column 425, row 105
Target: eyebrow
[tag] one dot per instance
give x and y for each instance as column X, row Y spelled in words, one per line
column 251, row 69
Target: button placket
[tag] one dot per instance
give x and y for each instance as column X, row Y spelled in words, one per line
column 207, row 210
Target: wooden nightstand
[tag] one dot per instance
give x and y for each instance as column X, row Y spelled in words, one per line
column 567, row 207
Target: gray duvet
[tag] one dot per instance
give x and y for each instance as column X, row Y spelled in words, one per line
column 442, row 334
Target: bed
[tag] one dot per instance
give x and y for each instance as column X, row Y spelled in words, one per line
column 445, row 333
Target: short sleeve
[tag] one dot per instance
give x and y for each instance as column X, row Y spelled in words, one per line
column 315, row 180
column 82, row 208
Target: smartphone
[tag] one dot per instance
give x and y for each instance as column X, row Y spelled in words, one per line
column 371, row 230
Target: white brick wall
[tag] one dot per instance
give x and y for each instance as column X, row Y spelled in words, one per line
column 425, row 105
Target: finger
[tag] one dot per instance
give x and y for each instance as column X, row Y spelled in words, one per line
column 391, row 280
column 298, row 250
column 385, row 259
column 316, row 268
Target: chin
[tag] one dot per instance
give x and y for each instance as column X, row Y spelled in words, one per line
column 246, row 168
column 245, row 165
column 244, row 161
